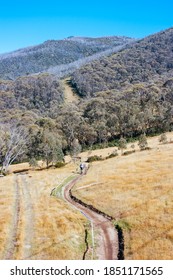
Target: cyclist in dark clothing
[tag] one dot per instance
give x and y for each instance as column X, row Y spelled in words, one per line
column 82, row 168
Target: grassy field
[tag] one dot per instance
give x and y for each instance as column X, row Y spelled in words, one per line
column 137, row 191
column 36, row 225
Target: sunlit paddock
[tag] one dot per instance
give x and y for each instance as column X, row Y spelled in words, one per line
column 36, row 225
column 137, row 190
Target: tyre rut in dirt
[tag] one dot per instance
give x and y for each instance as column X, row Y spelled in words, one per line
column 12, row 242
column 29, row 219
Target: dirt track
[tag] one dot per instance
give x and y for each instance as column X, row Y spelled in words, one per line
column 70, row 96
column 21, row 235
column 107, row 239
column 11, row 248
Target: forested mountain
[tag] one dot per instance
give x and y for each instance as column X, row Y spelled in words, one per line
column 125, row 94
column 131, row 91
column 144, row 61
column 54, row 52
column 40, row 94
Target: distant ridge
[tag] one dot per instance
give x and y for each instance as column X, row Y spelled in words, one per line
column 52, row 53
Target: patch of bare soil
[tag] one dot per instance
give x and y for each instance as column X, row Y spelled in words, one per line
column 70, row 96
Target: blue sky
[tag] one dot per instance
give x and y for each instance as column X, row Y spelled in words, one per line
column 31, row 22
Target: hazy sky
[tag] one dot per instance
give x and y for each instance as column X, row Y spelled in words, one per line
column 30, row 22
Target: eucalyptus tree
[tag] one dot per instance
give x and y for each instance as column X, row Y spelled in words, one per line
column 13, row 141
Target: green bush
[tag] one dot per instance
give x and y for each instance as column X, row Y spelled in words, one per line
column 59, row 164
column 33, row 163
column 145, row 149
column 94, row 158
column 163, row 138
column 113, row 154
column 126, row 153
column 143, row 144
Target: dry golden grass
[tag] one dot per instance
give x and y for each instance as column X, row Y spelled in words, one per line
column 136, row 190
column 47, row 227
column 6, row 207
column 60, row 230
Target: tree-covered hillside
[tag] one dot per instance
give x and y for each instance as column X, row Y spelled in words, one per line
column 130, row 92
column 41, row 94
column 144, row 61
column 127, row 94
column 53, row 53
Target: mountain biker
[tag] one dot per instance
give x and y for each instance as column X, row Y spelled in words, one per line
column 81, row 168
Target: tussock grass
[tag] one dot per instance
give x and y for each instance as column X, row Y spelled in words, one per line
column 137, row 191
column 6, row 206
column 59, row 229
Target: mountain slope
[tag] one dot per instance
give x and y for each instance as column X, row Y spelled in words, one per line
column 144, row 61
column 128, row 94
column 54, row 52
column 38, row 93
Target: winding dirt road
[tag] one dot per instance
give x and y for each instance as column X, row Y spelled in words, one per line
column 107, row 238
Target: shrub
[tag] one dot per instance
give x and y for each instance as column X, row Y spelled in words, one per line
column 163, row 138
column 128, row 152
column 113, row 154
column 133, row 146
column 143, row 144
column 33, row 163
column 146, row 149
column 122, row 144
column 94, row 158
column 59, row 164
